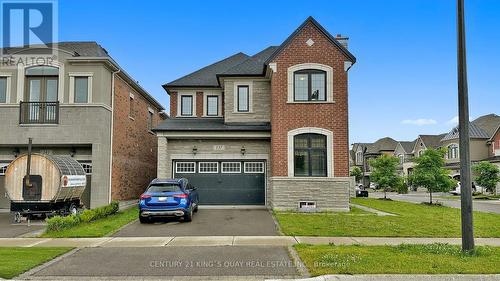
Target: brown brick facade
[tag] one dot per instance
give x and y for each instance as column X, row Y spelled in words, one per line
column 288, row 116
column 199, row 104
column 134, row 146
column 173, row 104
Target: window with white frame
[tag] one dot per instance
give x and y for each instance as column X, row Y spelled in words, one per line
column 185, row 167
column 359, row 157
column 3, row 168
column 208, row 167
column 87, row 167
column 3, row 89
column 231, row 167
column 186, row 105
column 254, row 167
column 401, row 159
column 452, row 151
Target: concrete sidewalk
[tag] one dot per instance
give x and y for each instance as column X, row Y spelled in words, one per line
column 226, row 241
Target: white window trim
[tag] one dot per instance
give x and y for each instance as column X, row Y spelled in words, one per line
column 205, row 104
column 448, row 149
column 216, row 165
column 21, row 76
column 177, row 167
column 302, row 66
column 329, row 148
column 231, row 172
column 250, row 97
column 8, row 77
column 247, row 172
column 72, row 76
column 179, row 103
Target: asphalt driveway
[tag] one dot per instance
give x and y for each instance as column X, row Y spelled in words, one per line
column 8, row 229
column 174, row 261
column 208, row 222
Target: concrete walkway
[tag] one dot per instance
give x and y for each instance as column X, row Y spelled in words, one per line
column 226, row 241
column 371, row 210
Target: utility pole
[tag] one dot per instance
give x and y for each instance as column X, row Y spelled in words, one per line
column 463, row 127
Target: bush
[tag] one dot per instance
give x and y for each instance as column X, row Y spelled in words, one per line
column 403, row 189
column 58, row 223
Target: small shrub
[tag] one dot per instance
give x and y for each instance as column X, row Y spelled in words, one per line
column 58, row 223
column 402, row 189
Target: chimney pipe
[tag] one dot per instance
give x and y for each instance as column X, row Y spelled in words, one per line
column 342, row 40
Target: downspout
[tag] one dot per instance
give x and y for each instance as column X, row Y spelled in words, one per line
column 114, row 73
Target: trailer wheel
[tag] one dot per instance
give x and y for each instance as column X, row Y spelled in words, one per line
column 73, row 210
column 17, row 217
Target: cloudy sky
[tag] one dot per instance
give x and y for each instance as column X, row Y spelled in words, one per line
column 403, row 84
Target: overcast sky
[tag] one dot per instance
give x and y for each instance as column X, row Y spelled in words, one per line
column 403, row 84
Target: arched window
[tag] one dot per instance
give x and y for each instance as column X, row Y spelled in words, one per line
column 309, row 85
column 310, row 155
column 401, row 159
column 452, row 151
column 421, row 152
column 42, row 84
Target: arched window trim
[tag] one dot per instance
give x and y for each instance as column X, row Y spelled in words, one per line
column 311, row 130
column 315, row 66
column 452, row 151
column 21, row 78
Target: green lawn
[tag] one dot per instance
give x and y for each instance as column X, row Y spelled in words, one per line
column 402, row 259
column 14, row 261
column 98, row 228
column 413, row 220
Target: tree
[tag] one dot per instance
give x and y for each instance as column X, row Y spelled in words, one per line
column 384, row 172
column 487, row 175
column 429, row 172
column 356, row 173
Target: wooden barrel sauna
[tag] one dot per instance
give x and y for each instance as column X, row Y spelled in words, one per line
column 56, row 183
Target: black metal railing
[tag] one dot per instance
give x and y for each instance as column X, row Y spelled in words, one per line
column 39, row 112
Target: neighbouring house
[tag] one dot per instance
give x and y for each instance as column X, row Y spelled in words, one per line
column 82, row 104
column 364, row 152
column 267, row 129
column 494, row 151
column 482, row 132
column 404, row 152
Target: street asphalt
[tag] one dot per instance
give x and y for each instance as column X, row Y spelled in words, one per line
column 9, row 229
column 492, row 206
column 208, row 222
column 270, row 262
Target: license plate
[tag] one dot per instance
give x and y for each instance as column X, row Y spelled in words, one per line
column 162, row 198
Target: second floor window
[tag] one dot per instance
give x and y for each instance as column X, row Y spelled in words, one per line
column 243, row 99
column 359, row 157
column 309, row 85
column 452, row 151
column 81, row 89
column 212, row 105
column 42, row 84
column 186, row 105
column 401, row 159
column 3, row 89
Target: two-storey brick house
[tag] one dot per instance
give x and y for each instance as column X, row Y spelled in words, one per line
column 269, row 129
column 79, row 103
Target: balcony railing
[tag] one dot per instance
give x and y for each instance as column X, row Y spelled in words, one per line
column 39, row 113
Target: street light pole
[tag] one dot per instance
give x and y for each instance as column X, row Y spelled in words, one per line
column 463, row 117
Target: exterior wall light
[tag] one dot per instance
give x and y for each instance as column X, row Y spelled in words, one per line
column 72, row 153
column 243, row 150
column 195, row 150
column 16, row 152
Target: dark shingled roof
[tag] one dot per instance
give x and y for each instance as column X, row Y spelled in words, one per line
column 209, row 124
column 207, row 76
column 252, row 66
column 383, row 144
column 481, row 128
column 78, row 49
column 408, row 145
column 432, row 141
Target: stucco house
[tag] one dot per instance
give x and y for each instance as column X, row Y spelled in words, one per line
column 267, row 129
column 83, row 104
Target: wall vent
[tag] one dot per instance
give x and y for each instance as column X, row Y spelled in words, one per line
column 307, row 206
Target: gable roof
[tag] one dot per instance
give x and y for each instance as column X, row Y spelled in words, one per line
column 431, row 141
column 89, row 50
column 254, row 65
column 383, row 144
column 207, row 76
column 407, row 145
column 482, row 127
column 332, row 39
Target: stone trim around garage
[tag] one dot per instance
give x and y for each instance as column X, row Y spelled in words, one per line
column 329, row 194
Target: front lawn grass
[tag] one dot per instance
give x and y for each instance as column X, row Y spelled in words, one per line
column 14, row 260
column 412, row 220
column 402, row 259
column 98, row 228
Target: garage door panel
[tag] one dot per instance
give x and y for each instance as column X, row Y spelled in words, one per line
column 228, row 188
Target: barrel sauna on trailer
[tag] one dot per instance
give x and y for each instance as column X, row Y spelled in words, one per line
column 39, row 184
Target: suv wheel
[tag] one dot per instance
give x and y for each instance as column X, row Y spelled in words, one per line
column 189, row 215
column 144, row 219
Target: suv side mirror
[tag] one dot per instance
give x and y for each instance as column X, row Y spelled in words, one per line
column 194, row 188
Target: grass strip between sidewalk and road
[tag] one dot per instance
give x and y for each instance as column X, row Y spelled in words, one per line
column 402, row 259
column 14, row 260
column 97, row 228
column 412, row 220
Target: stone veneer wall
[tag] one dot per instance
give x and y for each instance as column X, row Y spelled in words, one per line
column 330, row 194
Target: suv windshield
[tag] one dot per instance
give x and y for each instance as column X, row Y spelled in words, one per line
column 164, row 187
